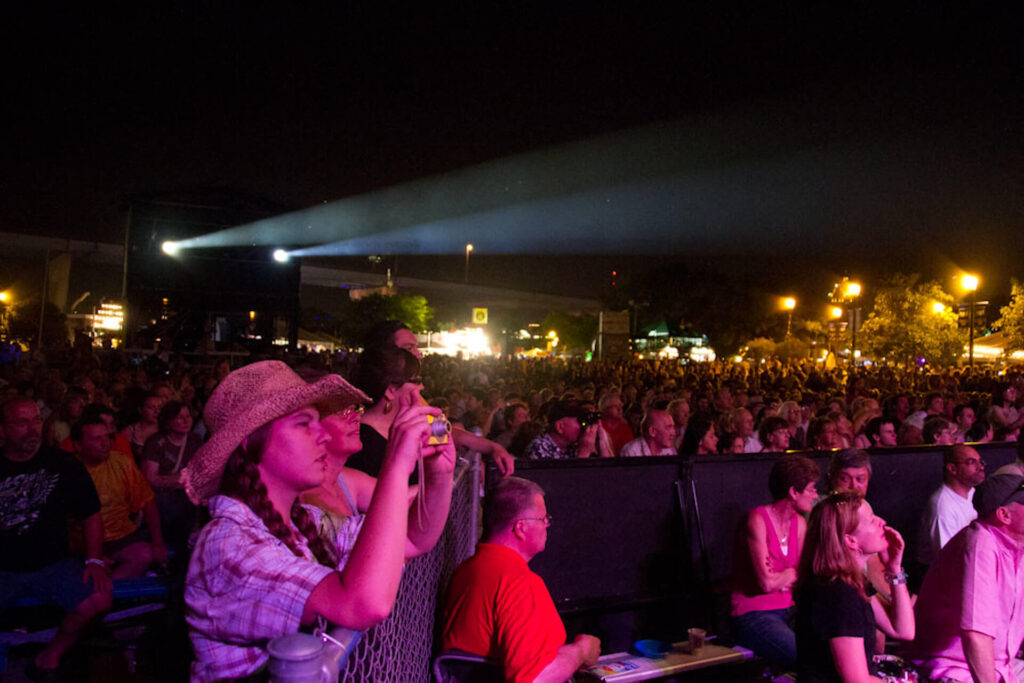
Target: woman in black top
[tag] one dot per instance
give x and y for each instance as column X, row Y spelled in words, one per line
column 835, row 620
column 390, row 376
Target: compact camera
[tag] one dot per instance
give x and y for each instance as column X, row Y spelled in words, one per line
column 589, row 418
column 440, row 428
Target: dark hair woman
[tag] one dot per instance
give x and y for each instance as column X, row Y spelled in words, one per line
column 766, row 559
column 700, row 438
column 390, row 376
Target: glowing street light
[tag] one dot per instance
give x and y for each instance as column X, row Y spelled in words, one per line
column 469, row 248
column 170, row 248
column 4, row 297
column 938, row 307
column 970, row 283
column 281, row 256
column 835, row 312
column 789, row 303
column 852, row 290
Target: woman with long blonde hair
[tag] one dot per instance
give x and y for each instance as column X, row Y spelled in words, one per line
column 835, row 618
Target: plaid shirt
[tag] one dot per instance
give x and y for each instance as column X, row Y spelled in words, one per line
column 545, row 448
column 244, row 587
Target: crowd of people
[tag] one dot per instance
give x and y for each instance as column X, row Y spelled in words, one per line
column 290, row 492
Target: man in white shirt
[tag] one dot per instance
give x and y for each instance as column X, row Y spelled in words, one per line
column 658, row 434
column 950, row 508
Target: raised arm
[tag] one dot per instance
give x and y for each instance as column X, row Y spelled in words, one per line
column 363, row 593
column 896, row 618
column 504, row 461
column 428, row 512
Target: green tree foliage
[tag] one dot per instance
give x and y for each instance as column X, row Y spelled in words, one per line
column 24, row 323
column 1011, row 317
column 904, row 325
column 723, row 304
column 792, row 349
column 760, row 348
column 575, row 332
column 359, row 315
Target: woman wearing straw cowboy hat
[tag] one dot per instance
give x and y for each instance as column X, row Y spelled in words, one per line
column 259, row 569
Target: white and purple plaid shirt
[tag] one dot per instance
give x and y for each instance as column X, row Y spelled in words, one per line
column 244, row 587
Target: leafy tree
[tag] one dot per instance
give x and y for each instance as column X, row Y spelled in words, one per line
column 575, row 331
column 792, row 349
column 905, row 324
column 359, row 315
column 723, row 304
column 761, row 348
column 1011, row 317
column 24, row 323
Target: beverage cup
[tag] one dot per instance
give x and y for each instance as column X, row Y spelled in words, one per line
column 696, row 639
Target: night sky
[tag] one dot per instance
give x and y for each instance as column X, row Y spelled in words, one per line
column 893, row 136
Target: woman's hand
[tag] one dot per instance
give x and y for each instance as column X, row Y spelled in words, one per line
column 439, row 459
column 408, row 436
column 892, row 556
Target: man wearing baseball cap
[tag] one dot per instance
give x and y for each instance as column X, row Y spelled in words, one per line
column 970, row 611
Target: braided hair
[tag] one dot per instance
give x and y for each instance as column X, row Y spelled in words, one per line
column 241, row 481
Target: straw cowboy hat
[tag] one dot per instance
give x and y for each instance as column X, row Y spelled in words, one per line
column 246, row 399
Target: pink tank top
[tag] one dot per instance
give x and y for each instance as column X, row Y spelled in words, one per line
column 746, row 595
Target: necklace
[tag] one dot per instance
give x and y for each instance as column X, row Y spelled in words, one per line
column 782, row 526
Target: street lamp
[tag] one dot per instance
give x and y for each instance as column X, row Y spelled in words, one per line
column 5, row 300
column 970, row 283
column 845, row 293
column 789, row 303
column 469, row 248
column 938, row 307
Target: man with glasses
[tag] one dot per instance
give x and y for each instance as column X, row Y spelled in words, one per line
column 970, row 612
column 498, row 608
column 949, row 509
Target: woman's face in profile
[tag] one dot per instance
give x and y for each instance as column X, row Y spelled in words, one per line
column 343, row 428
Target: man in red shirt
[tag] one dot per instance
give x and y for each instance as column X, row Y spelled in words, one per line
column 498, row 608
column 611, row 420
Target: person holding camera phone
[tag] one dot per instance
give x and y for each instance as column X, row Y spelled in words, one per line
column 260, row 568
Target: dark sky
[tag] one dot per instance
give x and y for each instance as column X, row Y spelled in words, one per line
column 303, row 103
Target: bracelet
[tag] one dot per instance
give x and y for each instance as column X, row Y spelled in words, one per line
column 96, row 561
column 896, row 579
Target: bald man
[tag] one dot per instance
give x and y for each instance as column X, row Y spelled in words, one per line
column 658, row 432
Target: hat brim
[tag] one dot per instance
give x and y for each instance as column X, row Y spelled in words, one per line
column 201, row 478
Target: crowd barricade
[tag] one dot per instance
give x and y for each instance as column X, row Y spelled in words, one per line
column 401, row 647
column 655, row 536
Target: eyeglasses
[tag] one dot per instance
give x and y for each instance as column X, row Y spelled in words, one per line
column 546, row 519
column 352, row 411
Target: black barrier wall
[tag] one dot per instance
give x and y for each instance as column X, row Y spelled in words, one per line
column 618, row 536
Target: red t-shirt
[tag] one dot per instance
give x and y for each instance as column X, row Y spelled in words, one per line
column 499, row 609
column 620, row 434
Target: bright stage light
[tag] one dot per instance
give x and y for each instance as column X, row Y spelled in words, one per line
column 170, row 248
column 281, row 256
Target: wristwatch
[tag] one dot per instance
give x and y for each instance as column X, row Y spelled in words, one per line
column 896, row 579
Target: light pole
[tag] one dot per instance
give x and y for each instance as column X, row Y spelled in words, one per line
column 469, row 248
column 845, row 293
column 970, row 283
column 5, row 302
column 789, row 303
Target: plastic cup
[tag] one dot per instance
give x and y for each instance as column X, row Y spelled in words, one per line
column 696, row 637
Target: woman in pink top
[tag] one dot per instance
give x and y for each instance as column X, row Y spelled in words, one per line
column 766, row 556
